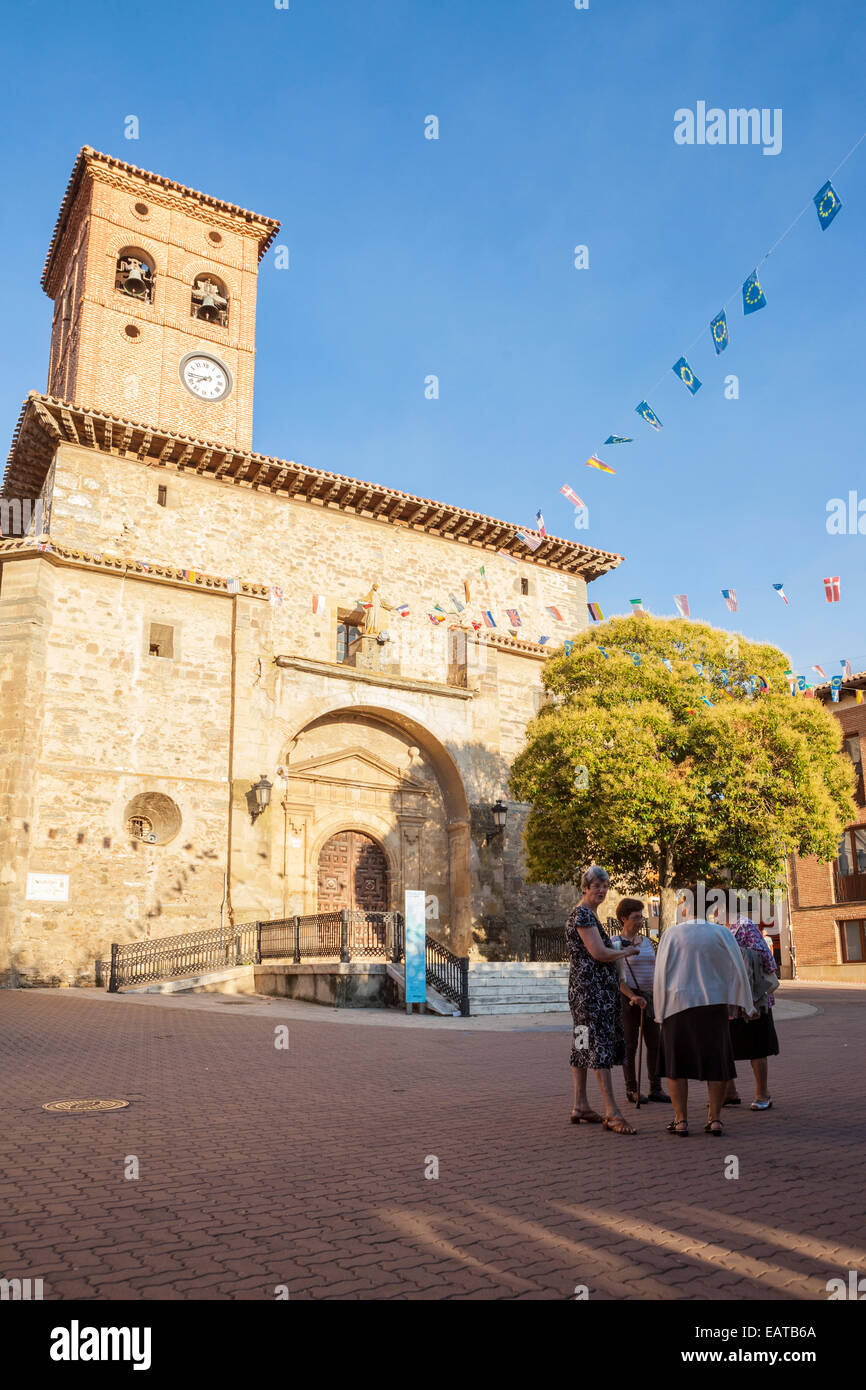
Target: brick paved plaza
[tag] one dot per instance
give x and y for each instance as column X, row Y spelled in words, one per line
column 306, row 1167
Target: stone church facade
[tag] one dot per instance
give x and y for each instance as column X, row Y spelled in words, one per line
column 184, row 621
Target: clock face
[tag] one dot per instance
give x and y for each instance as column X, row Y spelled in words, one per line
column 206, row 377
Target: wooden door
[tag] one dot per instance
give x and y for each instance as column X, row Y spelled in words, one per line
column 353, row 873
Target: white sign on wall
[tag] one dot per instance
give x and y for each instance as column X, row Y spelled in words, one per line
column 48, row 888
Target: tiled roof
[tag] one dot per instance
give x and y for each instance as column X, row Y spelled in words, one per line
column 88, row 156
column 46, row 422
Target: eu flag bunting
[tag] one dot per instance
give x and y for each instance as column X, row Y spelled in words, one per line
column 719, row 330
column 827, row 204
column 753, row 296
column 619, row 439
column 648, row 414
column 687, row 376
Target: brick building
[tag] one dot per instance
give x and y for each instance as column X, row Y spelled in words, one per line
column 183, row 620
column 828, row 901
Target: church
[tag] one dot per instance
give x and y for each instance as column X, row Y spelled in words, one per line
column 238, row 687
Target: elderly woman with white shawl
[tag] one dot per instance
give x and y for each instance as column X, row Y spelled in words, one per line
column 700, row 978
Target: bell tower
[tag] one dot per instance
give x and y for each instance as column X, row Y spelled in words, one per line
column 154, row 290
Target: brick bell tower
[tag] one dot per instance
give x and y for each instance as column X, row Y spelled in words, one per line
column 154, row 290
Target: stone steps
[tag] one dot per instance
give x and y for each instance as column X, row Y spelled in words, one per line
column 513, row 987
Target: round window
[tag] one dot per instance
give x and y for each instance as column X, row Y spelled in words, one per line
column 153, row 818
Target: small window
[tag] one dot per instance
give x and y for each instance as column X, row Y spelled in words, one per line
column 853, row 937
column 349, row 629
column 524, row 587
column 161, row 640
column 161, row 495
column 140, row 827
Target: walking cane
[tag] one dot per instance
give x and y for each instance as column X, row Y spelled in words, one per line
column 639, row 1057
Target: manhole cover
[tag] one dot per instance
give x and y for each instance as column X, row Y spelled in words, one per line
column 84, row 1107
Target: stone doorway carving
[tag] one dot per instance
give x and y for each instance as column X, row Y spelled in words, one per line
column 352, row 873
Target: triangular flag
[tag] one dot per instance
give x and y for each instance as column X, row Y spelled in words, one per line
column 593, row 462
column 780, row 591
column 619, row 439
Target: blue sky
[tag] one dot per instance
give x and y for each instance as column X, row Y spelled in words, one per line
column 454, row 257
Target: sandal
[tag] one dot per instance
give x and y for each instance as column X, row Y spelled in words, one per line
column 761, row 1104
column 674, row 1128
column 618, row 1125
column 589, row 1117
column 714, row 1127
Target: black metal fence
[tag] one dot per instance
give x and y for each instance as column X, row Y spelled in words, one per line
column 342, row 936
column 548, row 943
column 173, row 957
column 449, row 974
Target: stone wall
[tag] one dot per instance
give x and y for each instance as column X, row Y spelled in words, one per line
column 92, row 719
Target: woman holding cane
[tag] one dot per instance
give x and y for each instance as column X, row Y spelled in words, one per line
column 636, row 987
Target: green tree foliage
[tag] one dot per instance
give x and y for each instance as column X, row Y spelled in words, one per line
column 689, row 771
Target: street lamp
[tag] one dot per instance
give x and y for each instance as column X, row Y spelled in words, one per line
column 500, row 815
column 262, row 792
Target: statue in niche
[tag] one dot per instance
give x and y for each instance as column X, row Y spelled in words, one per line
column 374, row 606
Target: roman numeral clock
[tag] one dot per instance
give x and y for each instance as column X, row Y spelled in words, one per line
column 205, row 376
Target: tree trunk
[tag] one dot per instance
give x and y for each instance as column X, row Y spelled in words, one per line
column 667, row 892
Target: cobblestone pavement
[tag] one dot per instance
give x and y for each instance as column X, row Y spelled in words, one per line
column 305, row 1167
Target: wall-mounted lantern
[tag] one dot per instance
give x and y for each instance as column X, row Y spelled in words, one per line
column 500, row 815
column 261, row 793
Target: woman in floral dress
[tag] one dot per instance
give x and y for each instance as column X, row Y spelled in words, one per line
column 593, row 994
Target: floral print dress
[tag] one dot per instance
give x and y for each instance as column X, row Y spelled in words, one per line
column 747, row 934
column 594, row 998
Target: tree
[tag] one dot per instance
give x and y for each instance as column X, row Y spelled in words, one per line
column 672, row 752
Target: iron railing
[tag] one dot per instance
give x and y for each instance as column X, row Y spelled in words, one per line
column 548, row 943
column 173, row 957
column 449, row 974
column 342, row 936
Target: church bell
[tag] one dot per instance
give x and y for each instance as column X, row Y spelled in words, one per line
column 134, row 282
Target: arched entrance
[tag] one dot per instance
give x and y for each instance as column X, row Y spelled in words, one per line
column 352, row 873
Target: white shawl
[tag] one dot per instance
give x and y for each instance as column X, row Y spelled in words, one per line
column 699, row 963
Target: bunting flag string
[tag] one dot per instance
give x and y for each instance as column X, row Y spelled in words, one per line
column 529, row 539
column 687, row 376
column 827, row 204
column 647, row 413
column 719, row 331
column 572, row 496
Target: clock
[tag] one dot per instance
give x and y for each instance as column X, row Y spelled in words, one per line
column 206, row 377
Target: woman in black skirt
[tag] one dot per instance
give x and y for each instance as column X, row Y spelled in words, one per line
column 754, row 1039
column 593, row 994
column 700, row 979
